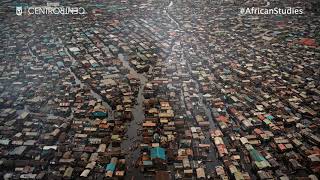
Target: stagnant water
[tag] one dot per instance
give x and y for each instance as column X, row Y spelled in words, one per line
column 131, row 144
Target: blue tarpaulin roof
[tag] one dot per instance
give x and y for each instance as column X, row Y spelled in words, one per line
column 147, row 163
column 60, row 64
column 270, row 117
column 158, row 152
column 111, row 167
column 99, row 114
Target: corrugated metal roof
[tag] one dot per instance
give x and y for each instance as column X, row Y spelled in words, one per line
column 158, row 152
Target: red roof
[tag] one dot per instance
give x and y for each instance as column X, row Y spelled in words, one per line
column 308, row 42
column 261, row 117
column 233, row 111
column 281, row 147
column 222, row 118
column 258, row 131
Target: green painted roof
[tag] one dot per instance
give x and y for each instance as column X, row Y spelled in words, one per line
column 256, row 155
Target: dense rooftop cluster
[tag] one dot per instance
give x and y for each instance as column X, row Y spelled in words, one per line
column 179, row 89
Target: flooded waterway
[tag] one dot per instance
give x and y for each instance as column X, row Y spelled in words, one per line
column 131, row 144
